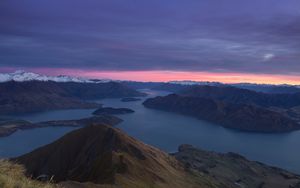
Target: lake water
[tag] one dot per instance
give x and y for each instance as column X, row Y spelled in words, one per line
column 25, row 141
column 167, row 131
column 54, row 115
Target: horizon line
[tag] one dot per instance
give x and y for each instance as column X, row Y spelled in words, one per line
column 166, row 76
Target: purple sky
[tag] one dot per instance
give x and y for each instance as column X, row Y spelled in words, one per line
column 217, row 36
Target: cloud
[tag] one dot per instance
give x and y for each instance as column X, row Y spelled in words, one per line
column 206, row 35
column 268, row 57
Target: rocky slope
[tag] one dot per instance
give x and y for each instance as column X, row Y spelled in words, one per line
column 237, row 116
column 34, row 96
column 235, row 171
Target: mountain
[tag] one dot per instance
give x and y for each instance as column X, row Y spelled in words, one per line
column 141, row 85
column 267, row 88
column 190, row 83
column 23, row 76
column 243, row 96
column 104, row 155
column 175, row 86
column 34, row 96
column 171, row 87
column 235, row 171
column 236, row 116
column 90, row 91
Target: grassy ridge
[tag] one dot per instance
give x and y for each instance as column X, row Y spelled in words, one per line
column 13, row 176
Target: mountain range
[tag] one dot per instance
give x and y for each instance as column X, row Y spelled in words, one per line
column 35, row 96
column 243, row 96
column 175, row 86
column 23, row 76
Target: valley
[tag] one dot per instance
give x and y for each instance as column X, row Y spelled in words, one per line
column 149, row 94
column 155, row 126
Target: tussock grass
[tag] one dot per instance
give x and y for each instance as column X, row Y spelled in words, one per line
column 13, row 176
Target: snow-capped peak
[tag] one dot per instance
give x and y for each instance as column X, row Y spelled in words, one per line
column 23, row 76
column 239, row 85
column 189, row 82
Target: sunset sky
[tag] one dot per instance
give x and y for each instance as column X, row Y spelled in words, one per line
column 158, row 40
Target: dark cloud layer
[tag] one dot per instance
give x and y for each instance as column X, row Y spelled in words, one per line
column 257, row 36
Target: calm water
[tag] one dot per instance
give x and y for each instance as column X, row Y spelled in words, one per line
column 24, row 141
column 167, row 131
column 54, row 115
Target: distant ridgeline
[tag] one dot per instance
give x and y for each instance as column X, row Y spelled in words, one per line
column 235, row 108
column 176, row 86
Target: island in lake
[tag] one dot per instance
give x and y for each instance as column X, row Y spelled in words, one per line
column 130, row 99
column 112, row 111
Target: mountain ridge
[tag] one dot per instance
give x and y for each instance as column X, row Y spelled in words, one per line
column 242, row 117
column 104, row 155
column 23, row 76
column 242, row 96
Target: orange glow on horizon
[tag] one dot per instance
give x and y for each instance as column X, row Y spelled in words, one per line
column 164, row 76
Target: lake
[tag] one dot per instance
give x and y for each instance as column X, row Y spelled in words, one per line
column 24, row 141
column 167, row 131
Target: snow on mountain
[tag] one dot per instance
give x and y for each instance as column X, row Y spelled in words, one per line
column 189, row 82
column 22, row 76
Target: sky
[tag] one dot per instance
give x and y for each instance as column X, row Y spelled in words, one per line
column 204, row 40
